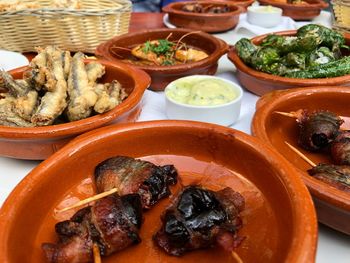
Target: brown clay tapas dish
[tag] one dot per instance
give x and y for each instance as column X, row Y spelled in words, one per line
column 298, row 9
column 181, row 193
column 312, row 56
column 242, row 3
column 309, row 127
column 208, row 16
column 166, row 54
column 59, row 96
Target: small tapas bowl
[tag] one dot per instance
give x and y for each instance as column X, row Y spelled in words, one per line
column 306, row 10
column 260, row 82
column 332, row 205
column 264, row 16
column 207, row 154
column 38, row 143
column 203, row 98
column 242, row 3
column 204, row 21
column 118, row 49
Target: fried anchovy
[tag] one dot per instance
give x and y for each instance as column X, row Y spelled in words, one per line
column 16, row 88
column 94, row 71
column 37, row 74
column 66, row 62
column 7, row 115
column 109, row 96
column 81, row 95
column 53, row 102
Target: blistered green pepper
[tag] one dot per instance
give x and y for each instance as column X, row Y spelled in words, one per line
column 245, row 49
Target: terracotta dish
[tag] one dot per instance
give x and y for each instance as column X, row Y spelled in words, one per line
column 40, row 142
column 279, row 223
column 333, row 205
column 260, row 82
column 116, row 49
column 208, row 22
column 242, row 3
column 305, row 11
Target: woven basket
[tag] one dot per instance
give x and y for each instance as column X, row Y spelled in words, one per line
column 341, row 10
column 71, row 29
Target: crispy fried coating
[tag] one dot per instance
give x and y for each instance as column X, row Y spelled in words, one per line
column 82, row 97
column 53, row 102
column 94, row 71
column 7, row 115
column 109, row 96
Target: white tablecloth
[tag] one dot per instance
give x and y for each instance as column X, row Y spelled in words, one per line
column 332, row 247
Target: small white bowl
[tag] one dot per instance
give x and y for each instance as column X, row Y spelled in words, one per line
column 222, row 114
column 264, row 16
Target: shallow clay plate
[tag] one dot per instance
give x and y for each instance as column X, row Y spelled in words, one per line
column 260, row 82
column 38, row 143
column 242, row 3
column 307, row 11
column 118, row 49
column 333, row 205
column 279, row 223
column 208, row 22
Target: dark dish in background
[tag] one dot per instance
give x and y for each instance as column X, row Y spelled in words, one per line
column 260, row 82
column 332, row 204
column 208, row 16
column 204, row 154
column 119, row 49
column 298, row 9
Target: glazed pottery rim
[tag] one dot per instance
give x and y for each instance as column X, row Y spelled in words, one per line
column 240, row 65
column 314, row 5
column 171, row 9
column 103, row 50
column 142, row 82
column 304, row 215
column 318, row 188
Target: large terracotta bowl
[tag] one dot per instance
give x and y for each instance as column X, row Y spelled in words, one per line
column 208, row 22
column 279, row 223
column 333, row 205
column 162, row 75
column 260, row 82
column 38, row 143
column 307, row 11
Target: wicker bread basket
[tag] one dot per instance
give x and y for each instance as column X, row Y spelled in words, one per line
column 71, row 29
column 341, row 10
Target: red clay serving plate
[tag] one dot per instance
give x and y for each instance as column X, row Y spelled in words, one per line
column 260, row 82
column 38, row 143
column 116, row 50
column 306, row 11
column 242, row 3
column 279, row 223
column 208, row 22
column 332, row 205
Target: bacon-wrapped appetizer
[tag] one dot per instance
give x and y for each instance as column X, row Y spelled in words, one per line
column 317, row 129
column 131, row 175
column 201, row 218
column 337, row 176
column 112, row 223
column 340, row 148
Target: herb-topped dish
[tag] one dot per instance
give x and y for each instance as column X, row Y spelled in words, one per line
column 312, row 56
column 166, row 54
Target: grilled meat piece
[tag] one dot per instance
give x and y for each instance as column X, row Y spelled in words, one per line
column 318, row 129
column 112, row 222
column 200, row 218
column 130, row 175
column 340, row 148
column 337, row 176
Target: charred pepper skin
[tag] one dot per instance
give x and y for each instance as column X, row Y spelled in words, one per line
column 318, row 129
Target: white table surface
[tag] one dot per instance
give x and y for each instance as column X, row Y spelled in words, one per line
column 333, row 246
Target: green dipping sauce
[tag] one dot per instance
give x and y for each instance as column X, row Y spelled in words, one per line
column 201, row 91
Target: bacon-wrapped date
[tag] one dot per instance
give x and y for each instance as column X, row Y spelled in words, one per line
column 318, row 129
column 131, row 175
column 337, row 176
column 200, row 218
column 112, row 223
column 340, row 148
